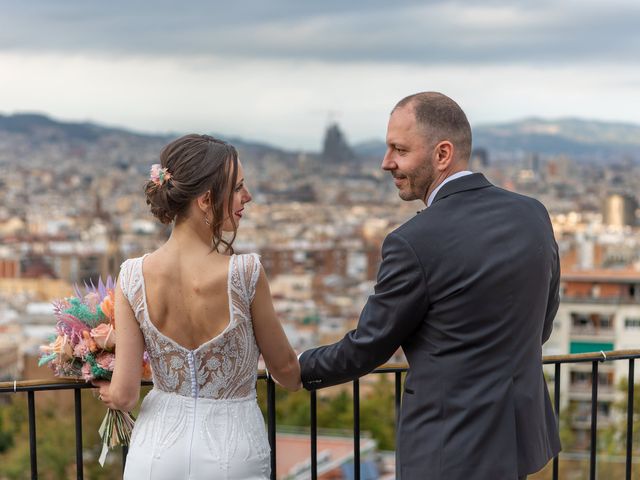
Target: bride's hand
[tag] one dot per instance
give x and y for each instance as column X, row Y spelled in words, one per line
column 103, row 392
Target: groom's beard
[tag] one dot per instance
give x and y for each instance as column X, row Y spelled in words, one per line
column 416, row 182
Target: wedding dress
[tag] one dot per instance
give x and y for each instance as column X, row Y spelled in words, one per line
column 201, row 419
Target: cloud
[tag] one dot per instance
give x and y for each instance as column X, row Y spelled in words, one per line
column 415, row 32
column 274, row 70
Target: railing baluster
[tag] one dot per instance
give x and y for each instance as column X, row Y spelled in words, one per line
column 398, row 398
column 356, row 429
column 314, row 434
column 32, row 434
column 630, row 401
column 78, row 412
column 556, row 404
column 271, row 422
column 125, row 452
column 594, row 420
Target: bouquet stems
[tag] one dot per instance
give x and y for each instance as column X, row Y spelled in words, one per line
column 115, row 430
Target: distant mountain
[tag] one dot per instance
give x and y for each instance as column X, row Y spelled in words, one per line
column 571, row 136
column 42, row 129
column 567, row 135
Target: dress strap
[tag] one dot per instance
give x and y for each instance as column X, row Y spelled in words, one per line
column 244, row 272
column 255, row 268
column 130, row 281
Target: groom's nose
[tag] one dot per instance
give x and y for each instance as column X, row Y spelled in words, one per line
column 388, row 163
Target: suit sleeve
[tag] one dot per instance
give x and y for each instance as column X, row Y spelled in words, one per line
column 554, row 296
column 391, row 314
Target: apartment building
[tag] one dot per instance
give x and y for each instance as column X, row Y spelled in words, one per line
column 599, row 312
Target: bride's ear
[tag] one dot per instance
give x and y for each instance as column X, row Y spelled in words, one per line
column 204, row 202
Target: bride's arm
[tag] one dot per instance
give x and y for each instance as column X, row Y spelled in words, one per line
column 280, row 358
column 123, row 392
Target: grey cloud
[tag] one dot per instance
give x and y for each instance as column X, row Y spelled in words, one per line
column 415, row 32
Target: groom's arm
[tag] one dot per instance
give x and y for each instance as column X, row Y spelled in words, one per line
column 390, row 315
column 554, row 297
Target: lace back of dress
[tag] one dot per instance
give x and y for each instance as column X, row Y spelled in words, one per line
column 228, row 366
column 225, row 367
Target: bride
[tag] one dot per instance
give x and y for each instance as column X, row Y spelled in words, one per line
column 204, row 315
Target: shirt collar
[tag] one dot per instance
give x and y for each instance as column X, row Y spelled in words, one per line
column 446, row 180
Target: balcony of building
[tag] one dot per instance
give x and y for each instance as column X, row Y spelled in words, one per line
column 580, row 383
column 592, row 326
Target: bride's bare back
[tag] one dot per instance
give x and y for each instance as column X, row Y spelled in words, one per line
column 187, row 296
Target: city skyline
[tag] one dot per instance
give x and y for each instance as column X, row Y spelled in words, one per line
column 277, row 73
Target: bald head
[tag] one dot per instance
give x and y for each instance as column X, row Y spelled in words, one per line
column 442, row 119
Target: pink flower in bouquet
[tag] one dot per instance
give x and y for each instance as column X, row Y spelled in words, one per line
column 104, row 335
column 106, row 360
column 92, row 300
column 82, row 348
column 86, row 372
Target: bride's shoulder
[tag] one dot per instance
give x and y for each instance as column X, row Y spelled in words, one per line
column 129, row 267
column 129, row 262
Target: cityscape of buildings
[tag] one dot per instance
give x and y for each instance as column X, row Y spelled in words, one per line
column 72, row 212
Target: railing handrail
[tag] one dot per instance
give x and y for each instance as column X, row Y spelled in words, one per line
column 65, row 383
column 591, row 357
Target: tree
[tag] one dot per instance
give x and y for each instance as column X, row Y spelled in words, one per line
column 6, row 436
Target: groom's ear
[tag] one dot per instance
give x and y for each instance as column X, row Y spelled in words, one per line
column 443, row 155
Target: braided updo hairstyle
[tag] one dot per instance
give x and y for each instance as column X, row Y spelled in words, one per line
column 197, row 164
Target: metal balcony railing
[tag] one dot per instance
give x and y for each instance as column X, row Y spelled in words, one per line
column 31, row 387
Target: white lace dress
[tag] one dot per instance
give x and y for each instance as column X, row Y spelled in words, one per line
column 201, row 419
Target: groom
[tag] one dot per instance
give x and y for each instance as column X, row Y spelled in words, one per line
column 469, row 289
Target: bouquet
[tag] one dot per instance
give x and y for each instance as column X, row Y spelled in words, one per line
column 84, row 347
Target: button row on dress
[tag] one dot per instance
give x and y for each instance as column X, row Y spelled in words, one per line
column 192, row 371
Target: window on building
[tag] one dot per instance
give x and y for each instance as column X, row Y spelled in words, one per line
column 591, row 321
column 632, row 323
column 580, row 320
column 580, row 378
column 604, row 408
column 583, row 378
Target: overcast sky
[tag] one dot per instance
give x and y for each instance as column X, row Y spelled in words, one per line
column 278, row 71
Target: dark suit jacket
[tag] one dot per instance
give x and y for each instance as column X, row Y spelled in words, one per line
column 469, row 289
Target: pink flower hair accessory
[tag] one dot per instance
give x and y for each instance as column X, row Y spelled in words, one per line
column 159, row 175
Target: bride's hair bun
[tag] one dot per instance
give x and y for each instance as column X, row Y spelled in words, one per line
column 159, row 198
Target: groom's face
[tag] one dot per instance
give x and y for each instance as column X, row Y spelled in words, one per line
column 409, row 155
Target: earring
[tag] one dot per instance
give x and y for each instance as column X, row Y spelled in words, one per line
column 207, row 221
